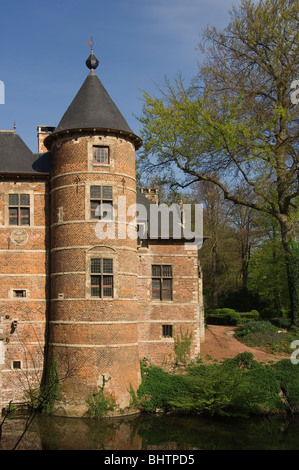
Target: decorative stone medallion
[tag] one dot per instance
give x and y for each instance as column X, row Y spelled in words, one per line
column 19, row 236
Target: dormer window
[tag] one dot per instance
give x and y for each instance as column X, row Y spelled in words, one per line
column 100, row 155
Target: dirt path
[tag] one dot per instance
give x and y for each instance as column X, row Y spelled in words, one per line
column 221, row 344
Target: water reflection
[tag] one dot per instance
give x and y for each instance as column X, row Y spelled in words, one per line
column 153, row 432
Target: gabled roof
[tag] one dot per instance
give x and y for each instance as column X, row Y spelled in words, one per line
column 17, row 158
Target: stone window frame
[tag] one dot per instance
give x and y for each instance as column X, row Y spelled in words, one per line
column 19, row 191
column 161, row 277
column 14, row 363
column 101, row 183
column 101, row 147
column 100, row 141
column 167, row 331
column 101, row 276
column 101, row 252
column 11, row 293
column 16, row 291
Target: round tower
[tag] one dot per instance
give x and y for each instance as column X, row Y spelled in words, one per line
column 93, row 340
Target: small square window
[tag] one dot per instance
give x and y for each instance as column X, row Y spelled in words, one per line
column 167, row 331
column 16, row 364
column 101, row 155
column 19, row 293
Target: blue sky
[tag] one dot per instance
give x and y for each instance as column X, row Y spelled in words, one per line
column 138, row 43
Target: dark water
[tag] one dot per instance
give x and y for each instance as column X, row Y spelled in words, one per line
column 153, row 432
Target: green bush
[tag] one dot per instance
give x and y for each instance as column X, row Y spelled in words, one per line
column 244, row 360
column 252, row 327
column 237, row 387
column 223, row 316
column 282, row 323
column 157, row 388
column 99, row 404
column 287, row 374
column 254, row 313
column 268, row 313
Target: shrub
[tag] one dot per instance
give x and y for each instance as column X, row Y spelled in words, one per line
column 223, row 316
column 273, row 313
column 182, row 347
column 254, row 313
column 157, row 388
column 99, row 404
column 287, row 374
column 244, row 360
column 252, row 327
column 281, row 322
column 233, row 318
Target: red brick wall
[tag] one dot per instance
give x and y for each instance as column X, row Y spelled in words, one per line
column 89, row 337
column 184, row 312
column 24, row 266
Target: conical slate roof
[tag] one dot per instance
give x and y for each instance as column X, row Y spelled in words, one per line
column 92, row 108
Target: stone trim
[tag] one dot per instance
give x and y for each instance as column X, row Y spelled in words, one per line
column 101, row 251
column 92, row 346
column 125, row 175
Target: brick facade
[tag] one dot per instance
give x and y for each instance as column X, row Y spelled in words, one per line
column 70, row 294
column 24, row 281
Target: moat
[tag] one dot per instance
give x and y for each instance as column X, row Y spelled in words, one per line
column 153, row 432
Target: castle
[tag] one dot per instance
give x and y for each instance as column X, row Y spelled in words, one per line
column 77, row 288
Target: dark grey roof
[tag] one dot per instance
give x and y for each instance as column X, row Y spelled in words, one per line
column 92, row 107
column 17, row 158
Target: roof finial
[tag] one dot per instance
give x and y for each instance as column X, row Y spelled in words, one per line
column 14, row 126
column 92, row 62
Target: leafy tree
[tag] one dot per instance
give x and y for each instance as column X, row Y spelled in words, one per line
column 237, row 120
column 267, row 268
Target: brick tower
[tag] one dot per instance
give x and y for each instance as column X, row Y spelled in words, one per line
column 93, row 321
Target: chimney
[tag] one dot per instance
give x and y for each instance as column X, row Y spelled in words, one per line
column 42, row 133
column 151, row 193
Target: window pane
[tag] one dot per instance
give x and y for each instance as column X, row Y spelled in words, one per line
column 24, row 200
column 167, row 271
column 167, row 331
column 95, row 192
column 95, row 265
column 156, row 289
column 95, row 209
column 108, row 266
column 167, row 289
column 95, row 286
column 107, row 192
column 25, row 214
column 107, row 286
column 101, row 155
column 13, row 199
column 13, row 216
column 156, row 270
column 106, row 210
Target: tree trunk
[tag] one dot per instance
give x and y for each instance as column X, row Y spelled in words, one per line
column 291, row 253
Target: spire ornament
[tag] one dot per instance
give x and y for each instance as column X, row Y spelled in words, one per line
column 92, row 62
